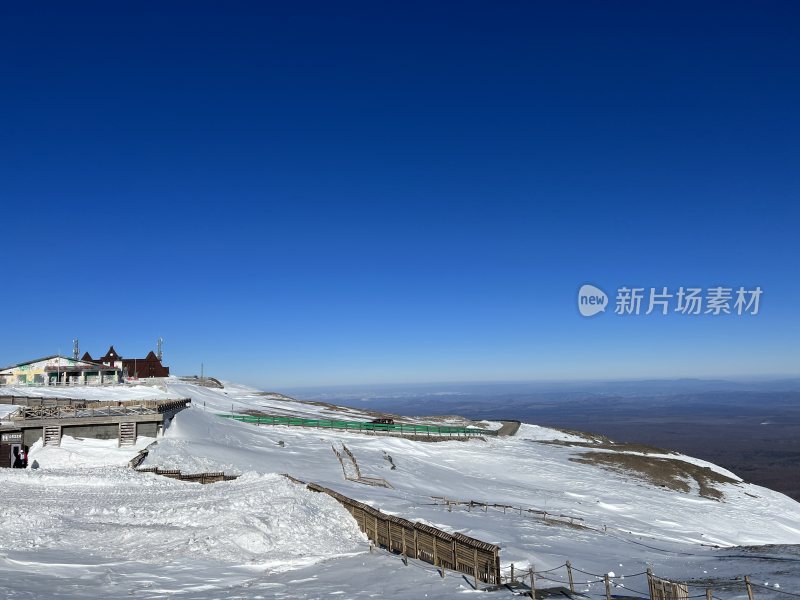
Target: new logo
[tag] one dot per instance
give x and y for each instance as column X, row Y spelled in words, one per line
column 591, row 300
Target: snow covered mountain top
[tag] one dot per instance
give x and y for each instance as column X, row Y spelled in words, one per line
column 232, row 398
column 631, row 508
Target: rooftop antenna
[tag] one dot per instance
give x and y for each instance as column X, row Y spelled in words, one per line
column 75, row 349
column 160, row 348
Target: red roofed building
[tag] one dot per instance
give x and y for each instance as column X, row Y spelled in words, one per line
column 137, row 368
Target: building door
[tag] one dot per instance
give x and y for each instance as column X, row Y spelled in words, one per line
column 11, row 453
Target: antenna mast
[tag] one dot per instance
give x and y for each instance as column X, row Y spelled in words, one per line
column 159, row 348
column 75, row 349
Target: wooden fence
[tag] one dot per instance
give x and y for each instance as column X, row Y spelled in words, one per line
column 40, row 401
column 663, row 589
column 527, row 581
column 195, row 477
column 358, row 478
column 547, row 517
column 453, row 551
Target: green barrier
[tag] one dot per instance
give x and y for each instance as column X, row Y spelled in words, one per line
column 402, row 428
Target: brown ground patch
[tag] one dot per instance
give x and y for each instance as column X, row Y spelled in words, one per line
column 276, row 396
column 589, row 437
column 606, row 444
column 666, row 472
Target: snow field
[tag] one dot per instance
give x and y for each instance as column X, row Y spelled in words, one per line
column 643, row 523
column 167, row 536
column 263, row 521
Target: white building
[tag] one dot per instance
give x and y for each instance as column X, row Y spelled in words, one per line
column 60, row 370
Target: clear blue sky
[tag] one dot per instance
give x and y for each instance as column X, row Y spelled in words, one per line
column 319, row 193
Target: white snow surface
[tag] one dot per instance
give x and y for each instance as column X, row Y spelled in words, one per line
column 233, row 398
column 257, row 520
column 83, row 524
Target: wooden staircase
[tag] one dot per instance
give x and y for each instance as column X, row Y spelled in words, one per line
column 52, row 435
column 127, row 434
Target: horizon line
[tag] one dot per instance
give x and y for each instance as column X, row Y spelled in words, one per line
column 706, row 378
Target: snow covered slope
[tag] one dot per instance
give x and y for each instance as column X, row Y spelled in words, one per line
column 232, row 398
column 261, row 536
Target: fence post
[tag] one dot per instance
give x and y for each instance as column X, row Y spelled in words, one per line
column 475, row 563
column 436, row 557
column 749, row 587
column 569, row 574
column 709, row 594
column 533, row 582
column 608, row 587
column 650, row 582
column 512, row 573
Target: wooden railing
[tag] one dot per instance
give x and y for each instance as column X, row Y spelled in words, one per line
column 453, row 551
column 98, row 409
column 194, row 477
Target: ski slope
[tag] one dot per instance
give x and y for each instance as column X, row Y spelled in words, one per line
column 83, row 522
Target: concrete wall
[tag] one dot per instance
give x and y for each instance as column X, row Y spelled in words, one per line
column 100, row 431
column 31, row 436
column 147, row 429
